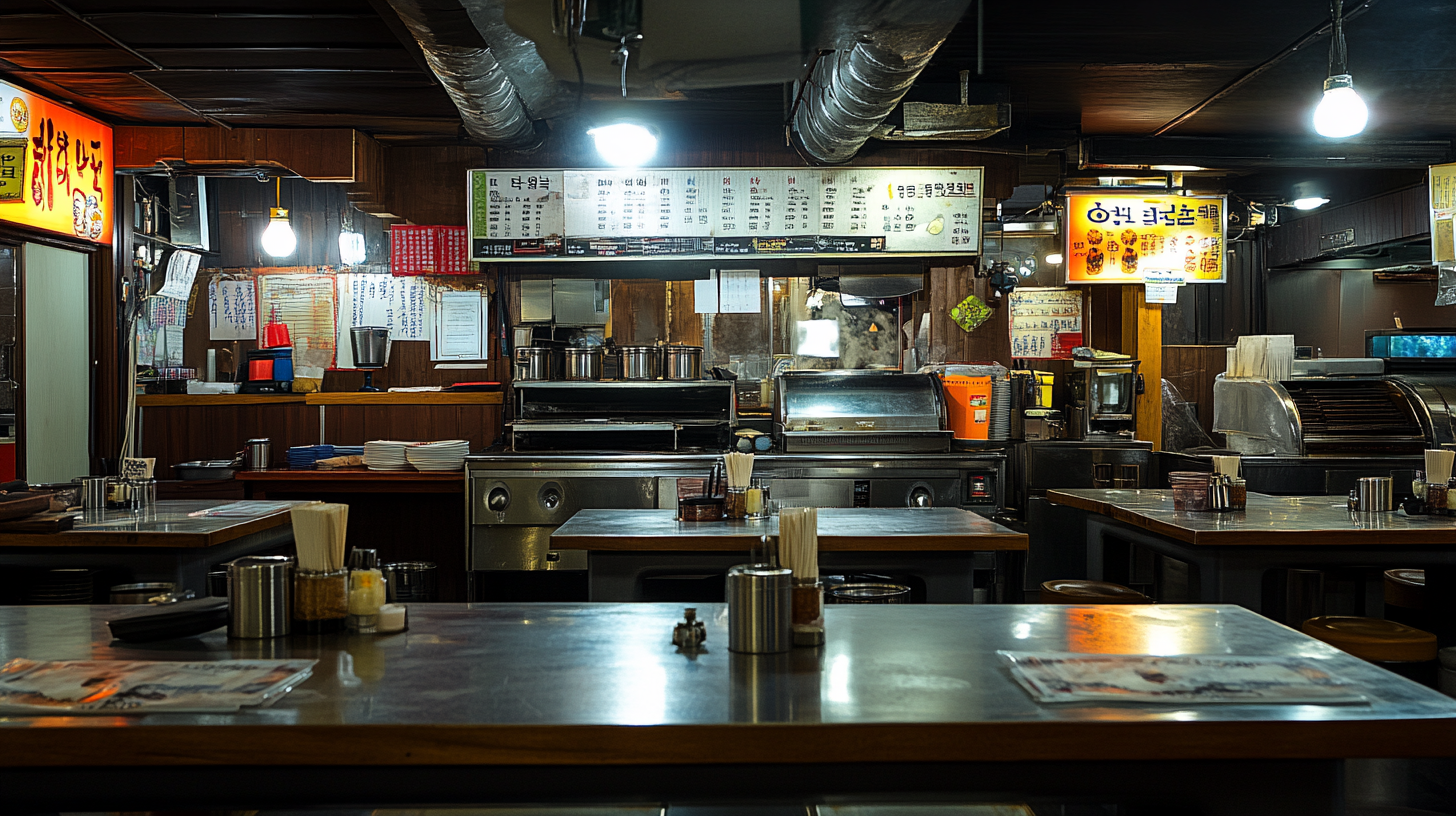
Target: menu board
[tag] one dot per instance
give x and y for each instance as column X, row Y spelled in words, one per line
column 1046, row 324
column 1114, row 238
column 718, row 212
column 1443, row 210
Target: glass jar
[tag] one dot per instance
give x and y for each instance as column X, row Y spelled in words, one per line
column 1418, row 487
column 735, row 503
column 1436, row 495
column 808, row 612
column 1451, row 497
column 1190, row 490
column 1239, row 495
column 757, row 500
column 320, row 601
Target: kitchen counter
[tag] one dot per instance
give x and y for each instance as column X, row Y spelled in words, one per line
column 326, row 398
column 1269, row 520
column 520, row 703
column 863, row 529
column 259, row 483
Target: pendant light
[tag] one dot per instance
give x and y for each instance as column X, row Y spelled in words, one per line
column 351, row 243
column 624, row 144
column 278, row 238
column 1341, row 112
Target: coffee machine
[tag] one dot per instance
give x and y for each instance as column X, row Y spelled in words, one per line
column 1104, row 399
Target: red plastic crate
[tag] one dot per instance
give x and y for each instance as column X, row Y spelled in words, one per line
column 428, row 250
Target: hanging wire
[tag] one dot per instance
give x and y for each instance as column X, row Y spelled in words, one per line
column 1338, row 55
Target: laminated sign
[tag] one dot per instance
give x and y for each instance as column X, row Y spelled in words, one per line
column 970, row 313
column 1117, row 238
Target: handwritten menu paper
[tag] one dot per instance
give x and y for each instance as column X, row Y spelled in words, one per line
column 740, row 291
column 232, row 311
column 707, row 212
column 380, row 300
column 181, row 272
column 458, row 325
column 302, row 301
column 1046, row 324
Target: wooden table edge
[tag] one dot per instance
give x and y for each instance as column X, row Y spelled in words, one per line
column 139, row 540
column 108, row 745
column 989, row 542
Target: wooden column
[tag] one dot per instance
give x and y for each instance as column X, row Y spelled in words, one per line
column 1142, row 337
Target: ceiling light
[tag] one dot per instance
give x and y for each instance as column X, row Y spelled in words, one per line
column 1310, row 203
column 624, row 144
column 1054, row 258
column 278, row 238
column 1341, row 112
column 351, row 248
column 1176, row 168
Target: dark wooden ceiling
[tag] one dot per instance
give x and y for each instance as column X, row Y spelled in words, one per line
column 1072, row 67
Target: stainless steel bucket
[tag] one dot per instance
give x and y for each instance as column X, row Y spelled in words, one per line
column 683, row 363
column 1375, row 494
column 371, row 346
column 533, row 363
column 639, row 362
column 760, row 609
column 584, row 363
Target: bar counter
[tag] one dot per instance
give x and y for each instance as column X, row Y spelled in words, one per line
column 259, row 483
column 878, row 529
column 591, row 702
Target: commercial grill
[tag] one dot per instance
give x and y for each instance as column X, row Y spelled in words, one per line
column 860, row 411
column 1323, row 412
column 693, row 415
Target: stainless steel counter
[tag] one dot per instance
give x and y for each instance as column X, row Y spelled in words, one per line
column 856, row 528
column 536, row 702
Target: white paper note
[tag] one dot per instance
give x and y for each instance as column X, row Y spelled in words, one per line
column 398, row 303
column 459, row 325
column 232, row 311
column 181, row 272
column 705, row 294
column 740, row 291
column 173, row 337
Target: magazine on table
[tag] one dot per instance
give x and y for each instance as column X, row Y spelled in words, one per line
column 142, row 686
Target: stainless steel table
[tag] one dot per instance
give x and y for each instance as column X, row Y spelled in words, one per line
column 173, row 541
column 1229, row 553
column 941, row 547
column 589, row 702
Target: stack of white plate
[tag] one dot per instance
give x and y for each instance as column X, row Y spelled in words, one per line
column 447, row 455
column 1000, row 410
column 386, row 455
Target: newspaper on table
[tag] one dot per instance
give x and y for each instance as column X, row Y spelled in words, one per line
column 144, row 686
column 1054, row 677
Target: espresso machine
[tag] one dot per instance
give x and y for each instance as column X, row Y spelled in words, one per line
column 1103, row 399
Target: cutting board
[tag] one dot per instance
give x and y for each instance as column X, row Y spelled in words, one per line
column 20, row 505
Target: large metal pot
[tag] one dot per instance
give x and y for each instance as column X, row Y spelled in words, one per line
column 584, row 363
column 683, row 363
column 534, row 363
column 639, row 362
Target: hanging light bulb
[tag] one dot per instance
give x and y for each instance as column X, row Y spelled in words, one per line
column 278, row 239
column 624, row 144
column 351, row 248
column 1341, row 113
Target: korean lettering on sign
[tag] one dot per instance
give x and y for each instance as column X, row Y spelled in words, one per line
column 1116, row 238
column 56, row 172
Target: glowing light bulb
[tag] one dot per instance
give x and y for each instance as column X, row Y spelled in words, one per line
column 278, row 239
column 1309, row 203
column 624, row 144
column 351, row 248
column 1341, row 113
column 1054, row 258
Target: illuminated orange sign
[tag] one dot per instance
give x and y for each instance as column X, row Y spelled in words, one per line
column 55, row 167
column 1120, row 238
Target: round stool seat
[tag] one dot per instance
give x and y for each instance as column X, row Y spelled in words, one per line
column 1405, row 588
column 1373, row 639
column 1077, row 591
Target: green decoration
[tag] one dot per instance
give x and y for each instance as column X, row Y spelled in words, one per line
column 970, row 313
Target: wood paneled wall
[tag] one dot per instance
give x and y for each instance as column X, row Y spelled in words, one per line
column 1192, row 369
column 1389, row 217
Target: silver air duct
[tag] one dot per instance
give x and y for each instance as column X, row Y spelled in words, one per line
column 849, row 92
column 489, row 105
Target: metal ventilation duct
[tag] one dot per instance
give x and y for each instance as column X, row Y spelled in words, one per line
column 849, row 92
column 489, row 104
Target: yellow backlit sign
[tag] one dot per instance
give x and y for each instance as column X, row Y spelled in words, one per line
column 55, row 167
column 1118, row 238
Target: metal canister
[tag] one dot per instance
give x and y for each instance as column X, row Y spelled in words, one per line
column 533, row 363
column 259, row 453
column 93, row 492
column 411, row 582
column 683, row 363
column 260, row 597
column 760, row 609
column 1374, row 494
column 584, row 363
column 639, row 362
